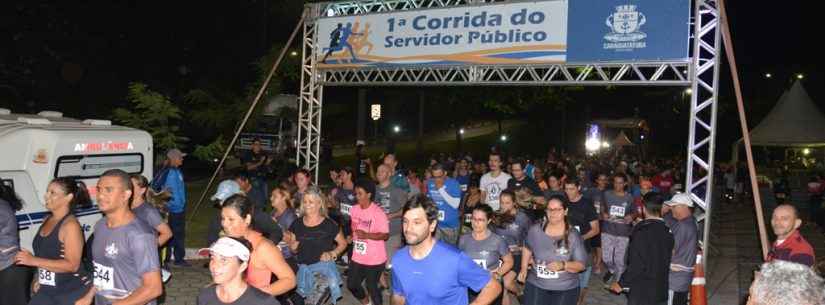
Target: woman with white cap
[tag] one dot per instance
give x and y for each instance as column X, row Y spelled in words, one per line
column 228, row 263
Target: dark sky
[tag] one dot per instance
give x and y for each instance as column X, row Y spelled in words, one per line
column 79, row 56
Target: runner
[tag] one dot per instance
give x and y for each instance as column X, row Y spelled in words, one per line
column 583, row 218
column 493, row 182
column 392, row 199
column 15, row 290
column 266, row 259
column 150, row 214
column 446, row 193
column 487, row 249
column 284, row 215
column 618, row 215
column 229, row 259
column 558, row 254
column 511, row 224
column 318, row 242
column 370, row 228
column 58, row 247
column 429, row 271
column 124, row 248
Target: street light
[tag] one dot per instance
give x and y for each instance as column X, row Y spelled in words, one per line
column 396, row 129
column 294, row 53
column 605, row 145
column 800, row 76
column 503, row 138
column 461, row 131
column 768, row 75
column 688, row 91
column 806, row 151
column 592, row 144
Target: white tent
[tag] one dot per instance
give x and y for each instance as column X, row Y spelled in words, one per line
column 795, row 121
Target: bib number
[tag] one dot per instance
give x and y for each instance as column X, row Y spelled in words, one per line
column 345, row 209
column 481, row 263
column 543, row 273
column 45, row 277
column 104, row 277
column 468, row 218
column 440, row 215
column 463, row 187
column 617, row 211
column 360, row 247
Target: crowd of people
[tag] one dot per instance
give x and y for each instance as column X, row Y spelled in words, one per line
column 502, row 230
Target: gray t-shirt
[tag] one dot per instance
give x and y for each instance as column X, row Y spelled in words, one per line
column 617, row 207
column 685, row 234
column 9, row 239
column 486, row 253
column 121, row 256
column 391, row 199
column 515, row 232
column 148, row 214
column 544, row 251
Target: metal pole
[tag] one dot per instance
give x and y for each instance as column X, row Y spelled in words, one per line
column 249, row 113
column 743, row 122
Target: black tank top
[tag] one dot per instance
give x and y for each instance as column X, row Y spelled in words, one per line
column 50, row 247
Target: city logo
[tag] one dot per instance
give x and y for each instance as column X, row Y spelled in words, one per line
column 625, row 34
column 111, row 251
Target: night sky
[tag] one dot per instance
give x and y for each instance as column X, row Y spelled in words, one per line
column 79, row 56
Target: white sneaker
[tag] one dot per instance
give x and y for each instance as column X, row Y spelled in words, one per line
column 165, row 275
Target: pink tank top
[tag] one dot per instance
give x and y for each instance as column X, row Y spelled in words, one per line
column 257, row 277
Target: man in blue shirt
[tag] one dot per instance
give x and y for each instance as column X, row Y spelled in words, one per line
column 177, row 206
column 428, row 271
column 446, row 194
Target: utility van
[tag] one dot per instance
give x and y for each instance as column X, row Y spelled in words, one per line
column 36, row 148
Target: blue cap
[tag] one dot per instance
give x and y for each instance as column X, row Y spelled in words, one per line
column 225, row 189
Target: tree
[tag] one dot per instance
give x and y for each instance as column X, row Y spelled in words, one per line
column 154, row 113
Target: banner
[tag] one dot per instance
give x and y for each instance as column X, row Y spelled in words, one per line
column 623, row 30
column 514, row 33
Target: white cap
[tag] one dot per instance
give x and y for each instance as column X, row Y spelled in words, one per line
column 225, row 189
column 227, row 247
column 680, row 199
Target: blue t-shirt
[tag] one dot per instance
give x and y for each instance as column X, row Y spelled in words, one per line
column 447, row 199
column 174, row 183
column 463, row 181
column 440, row 278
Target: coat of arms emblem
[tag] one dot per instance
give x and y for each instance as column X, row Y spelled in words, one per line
column 624, row 24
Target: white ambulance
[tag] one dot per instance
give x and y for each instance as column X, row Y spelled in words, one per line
column 34, row 149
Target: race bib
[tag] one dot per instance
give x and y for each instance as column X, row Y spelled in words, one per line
column 515, row 248
column 616, row 211
column 598, row 207
column 345, row 208
column 440, row 215
column 45, row 277
column 360, row 247
column 578, row 229
column 481, row 263
column 463, row 187
column 104, row 277
column 543, row 273
column 468, row 218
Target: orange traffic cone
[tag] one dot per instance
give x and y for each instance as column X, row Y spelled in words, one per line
column 698, row 294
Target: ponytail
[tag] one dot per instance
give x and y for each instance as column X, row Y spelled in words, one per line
column 80, row 195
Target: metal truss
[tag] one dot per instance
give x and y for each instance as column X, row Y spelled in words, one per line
column 346, row 8
column 311, row 99
column 662, row 74
column 702, row 131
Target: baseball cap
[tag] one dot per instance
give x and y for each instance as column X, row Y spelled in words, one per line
column 175, row 153
column 227, row 247
column 225, row 189
column 680, row 199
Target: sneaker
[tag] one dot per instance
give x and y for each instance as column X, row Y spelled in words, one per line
column 607, row 277
column 184, row 264
column 165, row 275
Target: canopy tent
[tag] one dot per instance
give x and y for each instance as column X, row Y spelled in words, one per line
column 622, row 140
column 795, row 121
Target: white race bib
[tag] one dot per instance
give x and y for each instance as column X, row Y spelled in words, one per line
column 468, row 218
column 463, row 187
column 578, row 229
column 45, row 277
column 104, row 277
column 440, row 215
column 481, row 263
column 543, row 273
column 360, row 247
column 345, row 208
column 617, row 211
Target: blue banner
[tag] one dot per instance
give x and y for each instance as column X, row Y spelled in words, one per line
column 628, row 30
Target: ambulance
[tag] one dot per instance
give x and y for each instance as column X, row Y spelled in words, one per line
column 36, row 148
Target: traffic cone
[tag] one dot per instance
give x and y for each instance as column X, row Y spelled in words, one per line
column 698, row 294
